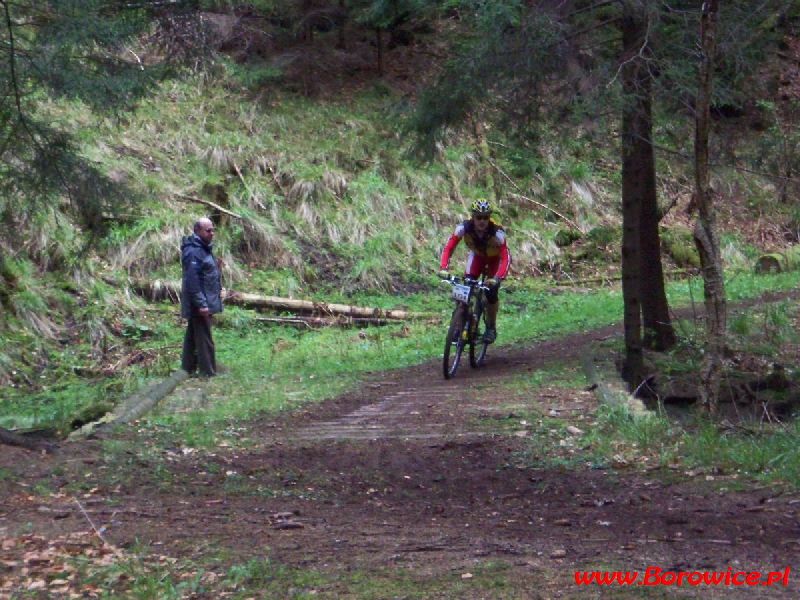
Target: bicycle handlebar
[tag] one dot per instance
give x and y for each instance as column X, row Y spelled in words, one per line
column 454, row 280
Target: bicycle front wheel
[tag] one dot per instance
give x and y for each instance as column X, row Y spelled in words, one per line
column 477, row 344
column 453, row 344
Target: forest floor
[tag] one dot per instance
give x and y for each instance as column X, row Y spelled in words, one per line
column 414, row 487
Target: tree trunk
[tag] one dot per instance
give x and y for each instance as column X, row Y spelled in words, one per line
column 658, row 331
column 631, row 74
column 639, row 181
column 705, row 230
column 647, row 319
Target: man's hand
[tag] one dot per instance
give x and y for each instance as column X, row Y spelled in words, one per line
column 444, row 274
column 203, row 312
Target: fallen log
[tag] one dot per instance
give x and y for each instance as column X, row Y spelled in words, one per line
column 132, row 408
column 11, row 438
column 314, row 307
column 312, row 322
column 606, row 394
column 157, row 290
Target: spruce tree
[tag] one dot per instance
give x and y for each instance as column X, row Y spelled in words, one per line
column 84, row 50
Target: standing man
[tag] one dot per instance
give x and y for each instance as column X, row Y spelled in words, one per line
column 200, row 299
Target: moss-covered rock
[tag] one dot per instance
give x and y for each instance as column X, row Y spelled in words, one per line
column 778, row 262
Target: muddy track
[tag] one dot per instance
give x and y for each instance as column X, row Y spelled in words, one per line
column 418, row 403
column 413, row 472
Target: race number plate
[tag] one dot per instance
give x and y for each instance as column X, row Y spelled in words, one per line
column 461, row 293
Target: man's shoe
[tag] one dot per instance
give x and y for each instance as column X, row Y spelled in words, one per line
column 490, row 336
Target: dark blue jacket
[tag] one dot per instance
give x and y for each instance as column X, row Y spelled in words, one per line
column 201, row 283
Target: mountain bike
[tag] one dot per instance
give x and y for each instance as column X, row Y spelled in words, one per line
column 467, row 324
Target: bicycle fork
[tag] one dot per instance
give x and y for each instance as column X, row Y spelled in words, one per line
column 473, row 326
column 466, row 328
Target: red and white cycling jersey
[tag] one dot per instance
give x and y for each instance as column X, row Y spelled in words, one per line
column 488, row 254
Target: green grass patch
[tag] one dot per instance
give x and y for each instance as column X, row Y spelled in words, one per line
column 54, row 407
column 768, row 453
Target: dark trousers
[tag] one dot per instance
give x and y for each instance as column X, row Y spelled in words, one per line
column 198, row 348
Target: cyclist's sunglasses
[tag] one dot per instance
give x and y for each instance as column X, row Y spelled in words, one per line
column 480, row 217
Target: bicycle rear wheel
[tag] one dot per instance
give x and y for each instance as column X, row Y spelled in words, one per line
column 453, row 344
column 477, row 345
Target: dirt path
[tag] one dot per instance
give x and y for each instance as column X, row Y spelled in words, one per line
column 417, row 474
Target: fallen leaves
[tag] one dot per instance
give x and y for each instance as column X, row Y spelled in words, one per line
column 32, row 562
column 77, row 565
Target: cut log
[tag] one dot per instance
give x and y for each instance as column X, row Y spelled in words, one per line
column 313, row 307
column 770, row 263
column 157, row 290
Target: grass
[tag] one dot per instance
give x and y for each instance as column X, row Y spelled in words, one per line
column 140, row 575
column 326, row 177
column 766, row 453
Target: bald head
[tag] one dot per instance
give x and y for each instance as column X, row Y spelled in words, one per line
column 204, row 229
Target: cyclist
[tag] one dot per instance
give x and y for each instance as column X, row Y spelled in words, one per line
column 488, row 255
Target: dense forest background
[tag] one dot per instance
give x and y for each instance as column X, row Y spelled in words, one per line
column 336, row 143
